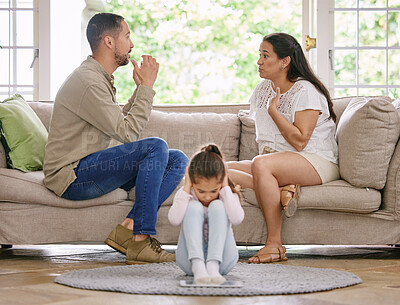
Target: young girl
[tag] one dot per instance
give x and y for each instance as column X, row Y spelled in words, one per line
column 206, row 206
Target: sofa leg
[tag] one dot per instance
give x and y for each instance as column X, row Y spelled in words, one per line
column 6, row 246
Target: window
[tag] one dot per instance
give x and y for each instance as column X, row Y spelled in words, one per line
column 17, row 48
column 19, row 51
column 207, row 49
column 362, row 53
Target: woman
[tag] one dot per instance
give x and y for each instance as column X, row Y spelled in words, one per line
column 295, row 131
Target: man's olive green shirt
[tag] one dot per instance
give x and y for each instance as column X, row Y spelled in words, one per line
column 86, row 116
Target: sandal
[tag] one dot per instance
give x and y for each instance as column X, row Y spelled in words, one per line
column 289, row 203
column 264, row 255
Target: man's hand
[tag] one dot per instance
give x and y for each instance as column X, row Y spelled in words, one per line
column 136, row 76
column 147, row 73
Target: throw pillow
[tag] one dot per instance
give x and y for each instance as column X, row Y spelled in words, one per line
column 367, row 133
column 23, row 134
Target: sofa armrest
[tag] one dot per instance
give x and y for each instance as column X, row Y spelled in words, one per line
column 3, row 163
column 391, row 192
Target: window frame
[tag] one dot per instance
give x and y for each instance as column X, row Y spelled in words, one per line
column 41, row 48
column 325, row 12
column 42, row 36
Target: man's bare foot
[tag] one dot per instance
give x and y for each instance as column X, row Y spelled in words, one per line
column 127, row 223
column 139, row 237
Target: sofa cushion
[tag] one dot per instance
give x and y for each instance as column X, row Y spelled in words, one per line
column 191, row 131
column 248, row 147
column 338, row 196
column 28, row 188
column 367, row 133
column 23, row 133
column 340, row 104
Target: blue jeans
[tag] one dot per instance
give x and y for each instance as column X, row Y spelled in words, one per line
column 147, row 164
column 221, row 242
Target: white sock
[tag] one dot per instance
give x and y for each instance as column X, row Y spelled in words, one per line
column 213, row 271
column 199, row 270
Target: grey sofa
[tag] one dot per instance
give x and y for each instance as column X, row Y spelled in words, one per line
column 363, row 208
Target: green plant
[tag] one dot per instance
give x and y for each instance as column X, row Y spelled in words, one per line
column 395, row 92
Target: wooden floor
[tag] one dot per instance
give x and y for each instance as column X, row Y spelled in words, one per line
column 27, row 274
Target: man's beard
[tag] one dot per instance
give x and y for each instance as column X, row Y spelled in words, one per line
column 121, row 59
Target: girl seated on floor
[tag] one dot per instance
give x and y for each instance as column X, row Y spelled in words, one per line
column 206, row 206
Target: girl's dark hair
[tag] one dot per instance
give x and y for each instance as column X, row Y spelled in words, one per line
column 100, row 25
column 285, row 45
column 209, row 163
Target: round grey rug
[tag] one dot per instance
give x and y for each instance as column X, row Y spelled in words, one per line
column 263, row 279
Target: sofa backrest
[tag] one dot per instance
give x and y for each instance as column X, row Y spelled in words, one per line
column 190, row 131
column 223, row 108
column 43, row 110
column 190, row 127
column 186, row 127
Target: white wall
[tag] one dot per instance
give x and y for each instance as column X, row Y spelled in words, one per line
column 65, row 40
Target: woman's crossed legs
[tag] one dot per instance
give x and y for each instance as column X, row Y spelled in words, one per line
column 266, row 174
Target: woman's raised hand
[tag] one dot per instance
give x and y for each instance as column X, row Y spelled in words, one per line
column 274, row 102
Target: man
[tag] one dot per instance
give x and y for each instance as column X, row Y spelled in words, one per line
column 79, row 164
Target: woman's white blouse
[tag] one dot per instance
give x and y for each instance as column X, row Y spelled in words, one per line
column 301, row 96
